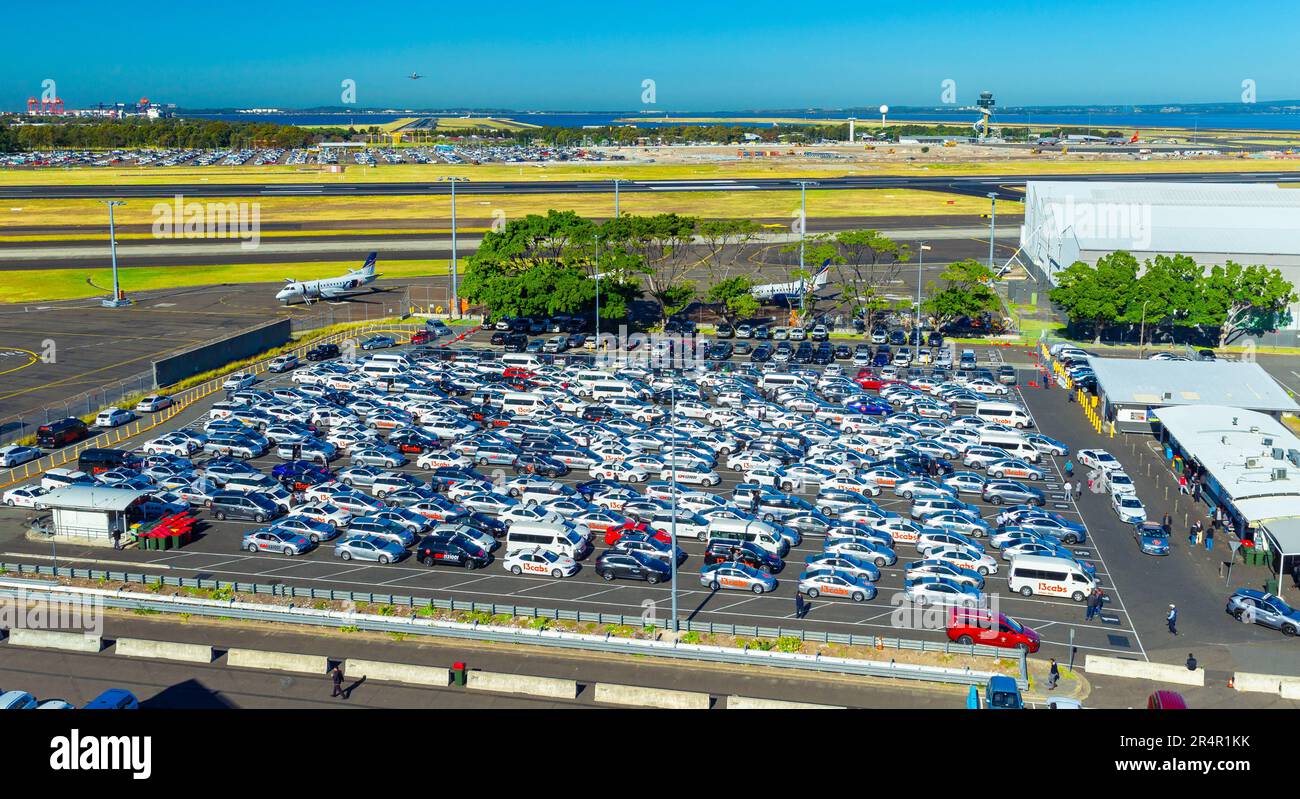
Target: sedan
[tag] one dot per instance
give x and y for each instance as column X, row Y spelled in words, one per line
column 633, row 566
column 863, row 549
column 941, row 591
column 371, row 456
column 24, row 497
column 378, row 343
column 736, row 576
column 999, row 492
column 1151, row 538
column 938, row 567
column 966, row 482
column 539, row 561
column 963, row 556
column 270, row 539
column 306, row 527
column 829, row 582
column 1098, row 459
column 1129, row 508
column 849, row 564
column 1014, row 467
column 112, row 417
column 369, row 547
column 17, row 455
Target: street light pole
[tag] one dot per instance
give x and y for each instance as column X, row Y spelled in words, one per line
column 1142, row 330
column 993, row 224
column 920, row 262
column 616, row 182
column 455, row 296
column 598, row 292
column 672, row 552
column 115, row 301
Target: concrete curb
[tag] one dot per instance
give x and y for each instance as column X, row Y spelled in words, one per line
column 1142, row 670
column 753, row 703
column 277, row 661
column 163, row 650
column 50, row 639
column 1266, row 683
column 397, row 672
column 636, row 696
column 548, row 687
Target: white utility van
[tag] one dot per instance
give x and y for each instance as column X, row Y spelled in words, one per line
column 1004, row 413
column 1049, row 576
column 556, row 538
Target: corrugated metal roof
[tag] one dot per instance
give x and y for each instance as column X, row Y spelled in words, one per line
column 1131, row 381
column 87, row 497
column 1236, row 447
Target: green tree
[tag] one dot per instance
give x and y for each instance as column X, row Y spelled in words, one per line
column 1246, row 300
column 733, row 298
column 968, row 292
column 661, row 244
column 869, row 263
column 1101, row 294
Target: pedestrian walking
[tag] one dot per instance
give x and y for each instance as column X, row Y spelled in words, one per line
column 1053, row 676
column 117, row 538
column 1209, row 540
column 1093, row 604
column 1078, row 489
column 1167, row 523
column 800, row 607
column 1069, row 468
column 1182, row 484
column 1172, row 619
column 336, row 675
column 1194, row 532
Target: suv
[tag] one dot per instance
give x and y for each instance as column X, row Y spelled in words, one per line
column 61, row 433
column 720, row 551
column 238, row 505
column 456, row 550
column 516, row 342
column 323, row 352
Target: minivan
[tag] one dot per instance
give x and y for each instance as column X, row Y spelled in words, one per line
column 761, row 534
column 61, row 433
column 237, row 505
column 1015, row 446
column 95, row 460
column 1049, row 576
column 1004, row 413
column 556, row 538
column 523, row 403
column 55, row 479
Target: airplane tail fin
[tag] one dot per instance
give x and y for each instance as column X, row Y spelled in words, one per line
column 823, row 274
column 368, row 268
column 1134, row 140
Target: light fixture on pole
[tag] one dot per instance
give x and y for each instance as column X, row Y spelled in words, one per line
column 597, row 268
column 455, row 296
column 920, row 263
column 117, row 300
column 993, row 223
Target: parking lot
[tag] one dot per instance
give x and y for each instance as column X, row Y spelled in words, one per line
column 216, row 554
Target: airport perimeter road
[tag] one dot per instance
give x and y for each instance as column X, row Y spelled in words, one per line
column 1009, row 187
column 160, row 684
column 217, row 555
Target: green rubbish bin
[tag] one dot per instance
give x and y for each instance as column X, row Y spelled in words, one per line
column 1271, row 587
column 458, row 674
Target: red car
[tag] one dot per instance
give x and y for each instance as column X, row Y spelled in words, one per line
column 975, row 626
column 614, row 533
column 515, row 373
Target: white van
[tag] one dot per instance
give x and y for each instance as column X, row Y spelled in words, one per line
column 390, row 357
column 618, row 389
column 523, row 403
column 1049, row 576
column 520, row 360
column 383, row 370
column 587, row 378
column 1016, row 446
column 758, row 533
column 776, row 381
column 555, row 538
column 55, row 479
column 1004, row 413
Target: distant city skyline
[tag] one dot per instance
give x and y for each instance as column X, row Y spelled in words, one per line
column 757, row 55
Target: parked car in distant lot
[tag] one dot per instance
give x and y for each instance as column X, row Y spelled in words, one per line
column 112, row 417
column 153, row 403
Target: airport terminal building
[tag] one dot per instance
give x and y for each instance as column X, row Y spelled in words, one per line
column 1068, row 221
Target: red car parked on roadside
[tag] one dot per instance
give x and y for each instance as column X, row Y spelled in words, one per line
column 977, row 626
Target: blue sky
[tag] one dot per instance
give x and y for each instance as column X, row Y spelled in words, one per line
column 702, row 56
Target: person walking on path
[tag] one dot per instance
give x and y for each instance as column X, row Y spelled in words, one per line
column 1172, row 619
column 1078, row 490
column 336, row 675
column 1094, row 604
column 1069, row 468
column 1194, row 533
column 1209, row 540
column 1053, row 676
column 800, row 607
column 1167, row 523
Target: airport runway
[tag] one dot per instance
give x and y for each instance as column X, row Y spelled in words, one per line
column 1005, row 186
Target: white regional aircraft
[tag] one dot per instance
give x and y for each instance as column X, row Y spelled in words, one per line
column 791, row 293
column 329, row 288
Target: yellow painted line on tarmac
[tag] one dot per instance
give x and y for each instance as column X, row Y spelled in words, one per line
column 34, row 359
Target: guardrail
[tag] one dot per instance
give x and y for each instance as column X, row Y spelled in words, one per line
column 494, row 609
column 480, row 632
column 180, row 401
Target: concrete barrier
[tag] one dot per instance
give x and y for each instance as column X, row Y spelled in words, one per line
column 549, row 687
column 397, row 672
column 1263, row 683
column 612, row 694
column 163, row 650
column 277, row 661
column 754, row 703
column 1142, row 670
column 1291, row 690
column 50, row 639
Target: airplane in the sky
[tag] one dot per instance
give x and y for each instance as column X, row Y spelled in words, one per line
column 791, row 293
column 329, row 288
column 415, row 76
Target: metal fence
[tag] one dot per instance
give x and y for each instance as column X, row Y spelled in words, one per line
column 415, row 625
column 24, row 423
column 500, row 609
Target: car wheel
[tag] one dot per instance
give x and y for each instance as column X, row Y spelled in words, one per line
column 383, row 558
column 983, row 570
column 1077, row 596
column 607, row 576
column 221, row 517
column 556, row 573
column 251, row 547
column 470, row 565
column 259, row 518
column 1026, row 591
column 769, row 518
column 907, row 495
column 9, row 502
column 713, row 586
column 965, row 640
column 288, row 551
column 482, row 461
column 652, row 579
column 346, row 555
column 995, row 500
column 516, row 571
column 880, row 562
